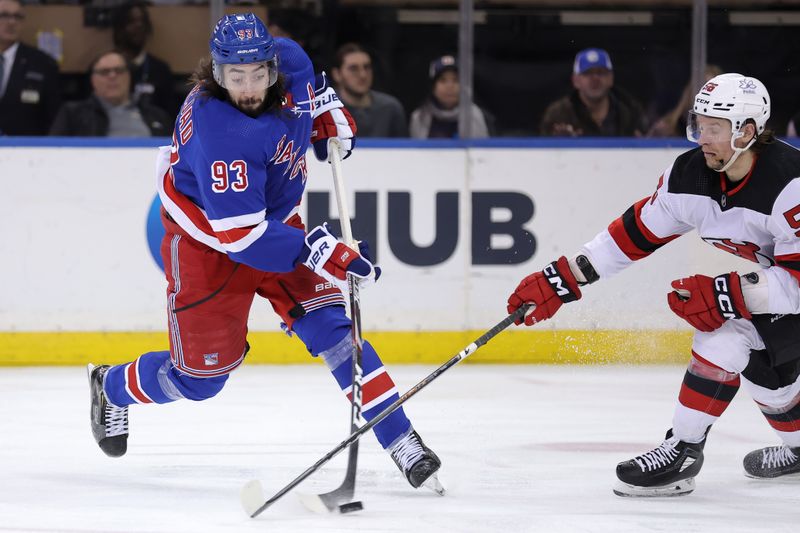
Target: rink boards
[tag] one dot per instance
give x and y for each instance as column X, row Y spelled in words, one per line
column 455, row 227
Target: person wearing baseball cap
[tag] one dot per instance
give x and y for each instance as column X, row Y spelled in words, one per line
column 595, row 108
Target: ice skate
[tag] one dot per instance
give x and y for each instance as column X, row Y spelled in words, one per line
column 417, row 462
column 667, row 470
column 771, row 462
column 109, row 422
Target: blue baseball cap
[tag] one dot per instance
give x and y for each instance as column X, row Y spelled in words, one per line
column 591, row 58
column 442, row 64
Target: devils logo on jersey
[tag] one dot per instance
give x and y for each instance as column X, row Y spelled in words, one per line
column 745, row 250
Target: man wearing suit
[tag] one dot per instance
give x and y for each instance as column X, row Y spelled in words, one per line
column 29, row 82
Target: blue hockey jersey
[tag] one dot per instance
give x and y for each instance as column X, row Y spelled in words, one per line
column 232, row 181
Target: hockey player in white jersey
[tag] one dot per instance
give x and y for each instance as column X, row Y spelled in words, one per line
column 740, row 189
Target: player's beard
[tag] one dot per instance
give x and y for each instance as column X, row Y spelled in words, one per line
column 251, row 106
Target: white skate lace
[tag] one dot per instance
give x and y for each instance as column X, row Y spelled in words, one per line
column 777, row 456
column 116, row 420
column 407, row 451
column 661, row 456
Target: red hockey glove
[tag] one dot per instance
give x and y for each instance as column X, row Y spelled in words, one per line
column 547, row 290
column 706, row 303
column 333, row 260
column 331, row 119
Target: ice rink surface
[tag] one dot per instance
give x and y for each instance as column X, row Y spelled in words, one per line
column 524, row 448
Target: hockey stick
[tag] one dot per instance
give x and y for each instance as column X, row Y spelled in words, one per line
column 330, row 501
column 252, row 495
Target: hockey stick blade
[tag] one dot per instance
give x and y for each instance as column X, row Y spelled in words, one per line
column 252, row 496
column 330, row 501
column 463, row 354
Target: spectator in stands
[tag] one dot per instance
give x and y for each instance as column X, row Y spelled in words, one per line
column 438, row 116
column 794, row 126
column 151, row 78
column 29, row 79
column 109, row 111
column 376, row 114
column 595, row 108
column 673, row 124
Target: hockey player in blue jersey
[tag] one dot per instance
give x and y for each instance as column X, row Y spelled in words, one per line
column 231, row 184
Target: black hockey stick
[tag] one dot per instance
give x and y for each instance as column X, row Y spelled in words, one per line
column 253, row 497
column 330, row 501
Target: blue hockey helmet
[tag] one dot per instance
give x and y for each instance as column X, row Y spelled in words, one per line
column 239, row 39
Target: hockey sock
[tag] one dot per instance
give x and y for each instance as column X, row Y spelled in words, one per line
column 152, row 378
column 785, row 421
column 706, row 392
column 377, row 388
column 326, row 333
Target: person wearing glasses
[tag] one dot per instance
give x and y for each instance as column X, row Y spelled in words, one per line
column 29, row 79
column 109, row 111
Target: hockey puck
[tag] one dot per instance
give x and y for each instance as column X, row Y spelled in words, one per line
column 351, row 507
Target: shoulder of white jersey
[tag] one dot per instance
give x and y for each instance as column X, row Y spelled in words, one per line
column 775, row 176
column 684, row 172
column 786, row 208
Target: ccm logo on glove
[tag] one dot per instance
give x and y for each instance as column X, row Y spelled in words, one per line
column 555, row 281
column 726, row 307
column 706, row 303
column 546, row 290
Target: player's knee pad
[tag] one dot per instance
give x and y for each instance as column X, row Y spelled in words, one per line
column 196, row 389
column 323, row 329
column 704, row 368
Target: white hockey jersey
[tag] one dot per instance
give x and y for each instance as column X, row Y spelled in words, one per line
column 757, row 218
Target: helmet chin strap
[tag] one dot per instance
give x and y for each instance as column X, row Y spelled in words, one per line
column 736, row 151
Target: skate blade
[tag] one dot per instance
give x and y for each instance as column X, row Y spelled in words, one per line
column 681, row 488
column 793, row 477
column 433, row 483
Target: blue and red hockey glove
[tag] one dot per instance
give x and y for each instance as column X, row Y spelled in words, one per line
column 331, row 119
column 333, row 260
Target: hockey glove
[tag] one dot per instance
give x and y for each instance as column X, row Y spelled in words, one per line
column 706, row 303
column 547, row 290
column 333, row 260
column 331, row 119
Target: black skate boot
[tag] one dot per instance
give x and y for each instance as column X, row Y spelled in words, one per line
column 417, row 462
column 109, row 422
column 774, row 461
column 667, row 470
